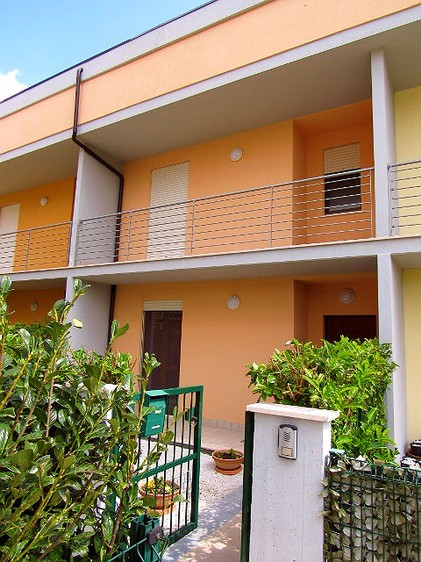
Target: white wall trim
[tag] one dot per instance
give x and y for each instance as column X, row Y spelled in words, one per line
column 322, row 258
column 296, row 412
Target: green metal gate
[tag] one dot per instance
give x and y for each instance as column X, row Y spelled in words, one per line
column 177, row 470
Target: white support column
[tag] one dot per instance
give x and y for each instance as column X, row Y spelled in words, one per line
column 96, row 194
column 93, row 311
column 391, row 329
column 384, row 139
column 285, row 502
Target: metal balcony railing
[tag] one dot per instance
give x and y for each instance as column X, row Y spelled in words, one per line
column 405, row 193
column 43, row 247
column 321, row 209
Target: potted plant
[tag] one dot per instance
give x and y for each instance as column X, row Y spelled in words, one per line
column 414, row 449
column 228, row 461
column 163, row 493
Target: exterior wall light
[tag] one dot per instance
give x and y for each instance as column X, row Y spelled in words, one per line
column 44, row 201
column 34, row 306
column 347, row 296
column 233, row 302
column 236, row 154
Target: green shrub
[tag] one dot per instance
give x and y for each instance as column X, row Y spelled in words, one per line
column 66, row 465
column 348, row 375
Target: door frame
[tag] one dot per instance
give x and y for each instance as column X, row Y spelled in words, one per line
column 158, row 306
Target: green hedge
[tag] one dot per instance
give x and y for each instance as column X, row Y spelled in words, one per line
column 348, row 376
column 66, row 465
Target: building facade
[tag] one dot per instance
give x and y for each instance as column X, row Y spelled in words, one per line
column 243, row 175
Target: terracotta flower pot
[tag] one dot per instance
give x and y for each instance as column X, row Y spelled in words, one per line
column 226, row 462
column 163, row 501
column 415, row 448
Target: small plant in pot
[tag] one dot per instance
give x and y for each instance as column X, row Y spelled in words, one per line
column 228, row 461
column 160, row 494
column 414, row 449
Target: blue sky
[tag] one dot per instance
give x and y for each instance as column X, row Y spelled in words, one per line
column 42, row 37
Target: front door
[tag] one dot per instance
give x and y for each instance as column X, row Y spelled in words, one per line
column 355, row 327
column 162, row 336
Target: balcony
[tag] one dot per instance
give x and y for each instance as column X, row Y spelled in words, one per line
column 405, row 192
column 335, row 208
column 44, row 247
column 322, row 209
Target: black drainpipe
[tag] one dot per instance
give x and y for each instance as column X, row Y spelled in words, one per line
column 109, row 167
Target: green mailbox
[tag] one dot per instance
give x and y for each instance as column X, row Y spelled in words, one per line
column 153, row 424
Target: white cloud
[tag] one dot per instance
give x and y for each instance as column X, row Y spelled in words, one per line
column 9, row 84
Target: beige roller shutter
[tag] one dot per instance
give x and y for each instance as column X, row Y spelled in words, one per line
column 9, row 217
column 162, row 305
column 167, row 219
column 342, row 158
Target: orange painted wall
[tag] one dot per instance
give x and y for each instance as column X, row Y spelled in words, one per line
column 300, row 311
column 19, row 303
column 38, row 121
column 208, row 53
column 323, row 299
column 337, row 127
column 32, row 214
column 267, row 159
column 271, row 155
column 48, row 247
column 217, row 343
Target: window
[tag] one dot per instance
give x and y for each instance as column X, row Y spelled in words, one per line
column 342, row 179
column 342, row 192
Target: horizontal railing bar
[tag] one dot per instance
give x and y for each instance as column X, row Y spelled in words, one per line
column 244, row 217
column 404, row 180
column 230, row 194
column 405, row 188
column 293, row 237
column 36, row 228
column 206, row 241
column 253, row 204
column 413, row 206
column 406, row 163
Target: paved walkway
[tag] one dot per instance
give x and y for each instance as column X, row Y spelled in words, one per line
column 221, row 438
column 218, row 536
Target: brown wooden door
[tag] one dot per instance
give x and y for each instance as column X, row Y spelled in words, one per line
column 355, row 327
column 162, row 336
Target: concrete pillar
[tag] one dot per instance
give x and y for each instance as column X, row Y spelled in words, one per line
column 93, row 310
column 96, row 195
column 384, row 139
column 391, row 330
column 285, row 525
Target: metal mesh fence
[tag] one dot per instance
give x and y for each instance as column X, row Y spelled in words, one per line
column 372, row 512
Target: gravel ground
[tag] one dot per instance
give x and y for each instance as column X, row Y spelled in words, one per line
column 214, row 486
